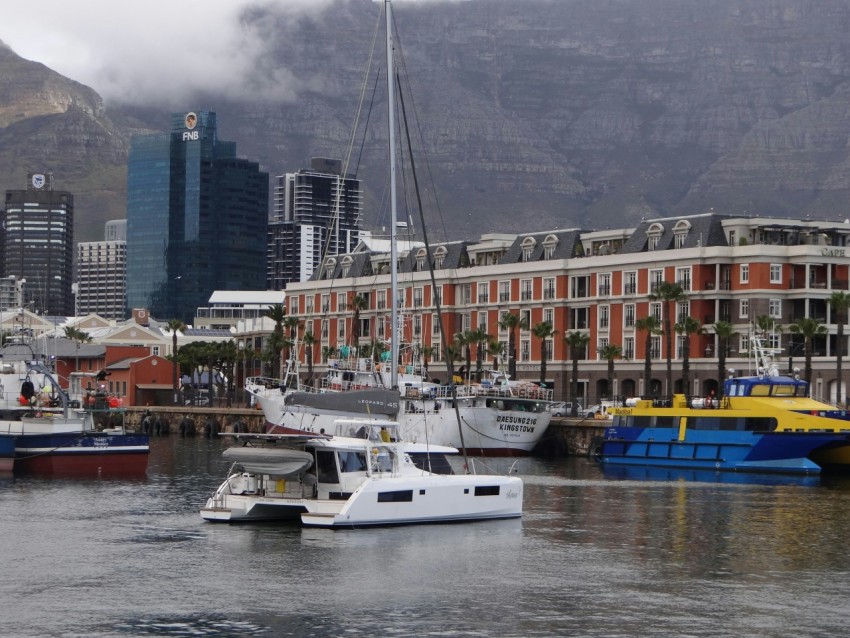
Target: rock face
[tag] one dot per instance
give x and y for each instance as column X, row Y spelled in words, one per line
column 533, row 114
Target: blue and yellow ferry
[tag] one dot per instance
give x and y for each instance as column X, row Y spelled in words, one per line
column 763, row 423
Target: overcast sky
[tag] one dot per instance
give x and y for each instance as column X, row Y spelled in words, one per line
column 150, row 51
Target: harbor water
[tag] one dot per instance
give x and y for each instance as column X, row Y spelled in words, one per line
column 594, row 555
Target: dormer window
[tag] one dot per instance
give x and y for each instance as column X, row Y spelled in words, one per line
column 528, row 245
column 346, row 265
column 421, row 260
column 680, row 233
column 653, row 236
column 439, row 256
column 330, row 265
column 549, row 245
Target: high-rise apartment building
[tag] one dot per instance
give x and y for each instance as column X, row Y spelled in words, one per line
column 38, row 244
column 197, row 218
column 102, row 272
column 316, row 214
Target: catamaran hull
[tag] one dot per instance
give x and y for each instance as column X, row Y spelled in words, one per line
column 401, row 501
column 786, row 452
column 82, row 454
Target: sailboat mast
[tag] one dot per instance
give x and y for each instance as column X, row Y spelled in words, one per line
column 396, row 337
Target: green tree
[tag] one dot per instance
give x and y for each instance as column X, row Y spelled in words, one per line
column 511, row 323
column 809, row 328
column 577, row 343
column 686, row 327
column 671, row 294
column 427, row 353
column 465, row 340
column 609, row 353
column 543, row 331
column 839, row 302
column 495, row 349
column 309, row 340
column 290, row 324
column 651, row 327
column 174, row 326
column 357, row 304
column 478, row 338
column 724, row 332
column 277, row 313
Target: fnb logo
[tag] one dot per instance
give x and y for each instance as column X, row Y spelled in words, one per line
column 190, row 135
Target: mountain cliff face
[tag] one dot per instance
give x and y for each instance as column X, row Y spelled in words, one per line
column 534, row 114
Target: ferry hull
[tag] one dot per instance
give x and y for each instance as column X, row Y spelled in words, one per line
column 786, row 452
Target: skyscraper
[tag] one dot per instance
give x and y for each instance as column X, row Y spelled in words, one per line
column 316, row 213
column 197, row 218
column 38, row 244
column 102, row 273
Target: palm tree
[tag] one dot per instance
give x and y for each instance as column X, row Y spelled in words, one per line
column 358, row 304
column 686, row 327
column 577, row 342
column 276, row 313
column 543, row 331
column 724, row 332
column 291, row 324
column 327, row 353
column 839, row 301
column 175, row 326
column 495, row 349
column 309, row 340
column 808, row 328
column 478, row 338
column 652, row 327
column 609, row 353
column 670, row 294
column 427, row 353
column 464, row 341
column 511, row 322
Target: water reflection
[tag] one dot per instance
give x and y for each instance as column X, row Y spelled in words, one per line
column 593, row 555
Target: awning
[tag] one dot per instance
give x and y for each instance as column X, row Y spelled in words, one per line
column 154, row 386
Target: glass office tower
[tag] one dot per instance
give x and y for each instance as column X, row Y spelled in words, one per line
column 197, row 218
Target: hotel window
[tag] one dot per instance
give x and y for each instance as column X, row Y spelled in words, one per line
column 346, row 265
column 776, row 273
column 525, row 318
column 744, row 307
column 381, row 328
column 421, row 260
column 630, row 283
column 579, row 287
column 603, row 317
column 655, row 348
column 528, row 245
column 504, row 291
column 680, row 233
column 326, row 303
column 603, row 343
column 293, row 306
column 525, row 290
column 402, row 298
column 435, row 324
column 549, row 288
column 466, row 294
column 579, row 318
column 629, row 315
column 656, row 278
column 684, row 311
column 683, row 278
column 330, row 264
column 604, row 285
column 549, row 316
column 773, row 340
column 745, row 273
column 629, row 348
column 483, row 292
column 653, row 236
column 417, row 325
column 775, row 308
column 341, row 302
column 417, row 297
column 524, row 350
column 482, row 321
column 340, row 331
column 439, row 295
column 655, row 310
column 744, row 344
column 381, row 300
column 308, row 304
column 465, row 322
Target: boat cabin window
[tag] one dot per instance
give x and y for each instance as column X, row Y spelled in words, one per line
column 760, row 390
column 352, row 462
column 326, row 465
column 646, row 421
column 740, row 424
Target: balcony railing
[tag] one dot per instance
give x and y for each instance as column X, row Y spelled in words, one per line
column 504, row 296
column 630, row 289
column 604, row 291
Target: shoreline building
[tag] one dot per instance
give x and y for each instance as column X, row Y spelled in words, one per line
column 102, row 273
column 317, row 213
column 197, row 218
column 38, row 244
column 742, row 272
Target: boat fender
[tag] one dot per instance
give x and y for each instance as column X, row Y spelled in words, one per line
column 211, row 428
column 27, row 389
column 594, row 448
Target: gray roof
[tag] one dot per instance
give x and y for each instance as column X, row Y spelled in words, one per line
column 706, row 230
column 564, row 248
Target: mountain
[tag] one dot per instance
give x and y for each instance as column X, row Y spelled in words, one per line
column 534, row 114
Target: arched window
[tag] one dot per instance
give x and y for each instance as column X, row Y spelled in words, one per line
column 346, row 265
column 653, row 236
column 528, row 245
column 549, row 245
column 439, row 256
column 680, row 233
column 421, row 259
column 330, row 265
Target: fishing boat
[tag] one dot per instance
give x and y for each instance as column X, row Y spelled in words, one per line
column 357, row 475
column 50, row 437
column 763, row 423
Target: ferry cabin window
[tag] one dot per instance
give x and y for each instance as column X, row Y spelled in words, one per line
column 647, row 421
column 352, row 462
column 740, row 424
column 326, row 465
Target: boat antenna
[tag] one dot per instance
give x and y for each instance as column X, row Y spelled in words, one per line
column 393, row 198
